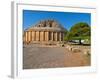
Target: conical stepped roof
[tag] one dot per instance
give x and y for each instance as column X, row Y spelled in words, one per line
column 47, row 25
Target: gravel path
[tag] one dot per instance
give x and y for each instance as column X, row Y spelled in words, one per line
column 51, row 57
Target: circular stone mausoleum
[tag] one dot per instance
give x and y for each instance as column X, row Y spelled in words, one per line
column 44, row 31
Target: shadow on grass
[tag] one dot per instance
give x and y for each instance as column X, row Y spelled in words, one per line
column 80, row 44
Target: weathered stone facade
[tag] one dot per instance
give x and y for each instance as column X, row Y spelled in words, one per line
column 44, row 31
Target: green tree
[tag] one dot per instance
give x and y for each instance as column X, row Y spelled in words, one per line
column 65, row 35
column 79, row 31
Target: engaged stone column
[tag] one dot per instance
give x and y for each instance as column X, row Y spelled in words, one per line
column 29, row 36
column 26, row 38
column 52, row 36
column 33, row 35
column 46, row 36
column 55, row 36
column 60, row 36
column 41, row 36
column 37, row 35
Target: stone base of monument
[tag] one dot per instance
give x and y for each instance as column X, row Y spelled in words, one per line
column 57, row 43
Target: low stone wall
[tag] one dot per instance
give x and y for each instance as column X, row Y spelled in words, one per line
column 77, row 49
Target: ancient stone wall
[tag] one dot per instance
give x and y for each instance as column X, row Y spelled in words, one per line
column 34, row 35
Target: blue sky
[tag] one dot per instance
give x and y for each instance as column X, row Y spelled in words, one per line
column 66, row 19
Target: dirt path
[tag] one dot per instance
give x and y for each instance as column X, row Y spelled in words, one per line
column 51, row 57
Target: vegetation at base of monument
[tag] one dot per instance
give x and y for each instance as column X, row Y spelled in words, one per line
column 80, row 31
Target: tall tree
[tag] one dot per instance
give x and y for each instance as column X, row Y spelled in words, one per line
column 79, row 32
